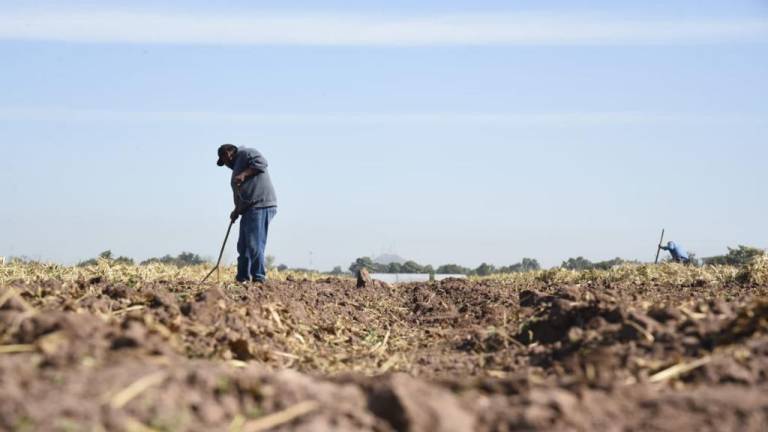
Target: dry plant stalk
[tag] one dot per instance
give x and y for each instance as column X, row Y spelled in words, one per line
column 120, row 399
column 679, row 369
column 12, row 293
column 128, row 309
column 133, row 425
column 16, row 348
column 274, row 420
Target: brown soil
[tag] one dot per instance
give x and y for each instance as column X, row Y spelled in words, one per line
column 326, row 355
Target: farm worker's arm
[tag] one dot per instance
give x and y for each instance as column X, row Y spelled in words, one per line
column 236, row 195
column 257, row 164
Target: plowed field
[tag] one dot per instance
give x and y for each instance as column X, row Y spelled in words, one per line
column 96, row 353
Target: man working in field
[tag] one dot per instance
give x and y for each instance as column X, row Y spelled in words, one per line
column 256, row 202
column 679, row 254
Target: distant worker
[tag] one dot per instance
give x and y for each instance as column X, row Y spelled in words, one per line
column 256, row 202
column 679, row 255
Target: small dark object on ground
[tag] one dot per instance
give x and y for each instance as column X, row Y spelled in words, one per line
column 363, row 278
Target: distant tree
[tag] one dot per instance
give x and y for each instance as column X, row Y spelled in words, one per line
column 514, row 268
column 735, row 256
column 363, row 262
column 608, row 264
column 579, row 263
column 527, row 264
column 283, row 267
column 106, row 255
column 412, row 267
column 337, row 271
column 530, row 264
column 270, row 262
column 396, row 267
column 184, row 259
column 123, row 260
column 188, row 259
column 485, row 269
column 166, row 259
column 453, row 269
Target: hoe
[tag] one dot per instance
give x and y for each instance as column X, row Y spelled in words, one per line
column 221, row 252
column 215, row 269
column 658, row 250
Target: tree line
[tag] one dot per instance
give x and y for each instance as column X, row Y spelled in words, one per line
column 581, row 263
column 181, row 260
column 484, row 269
column 737, row 256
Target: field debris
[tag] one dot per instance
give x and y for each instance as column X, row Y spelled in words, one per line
column 129, row 348
column 363, row 278
column 273, row 420
column 679, row 369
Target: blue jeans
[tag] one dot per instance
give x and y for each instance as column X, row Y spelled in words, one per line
column 254, row 226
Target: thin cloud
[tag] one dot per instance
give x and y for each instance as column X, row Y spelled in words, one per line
column 470, row 118
column 368, row 30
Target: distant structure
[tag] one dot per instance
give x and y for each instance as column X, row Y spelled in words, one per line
column 2, row 260
column 393, row 278
column 387, row 259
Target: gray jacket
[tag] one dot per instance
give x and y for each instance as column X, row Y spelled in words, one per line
column 256, row 191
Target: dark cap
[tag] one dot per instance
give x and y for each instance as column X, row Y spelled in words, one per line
column 222, row 151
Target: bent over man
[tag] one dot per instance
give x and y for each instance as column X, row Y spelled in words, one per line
column 679, row 254
column 256, row 202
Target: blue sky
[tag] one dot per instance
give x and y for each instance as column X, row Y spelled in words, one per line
column 442, row 131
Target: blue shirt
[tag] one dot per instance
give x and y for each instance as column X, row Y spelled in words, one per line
column 677, row 252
